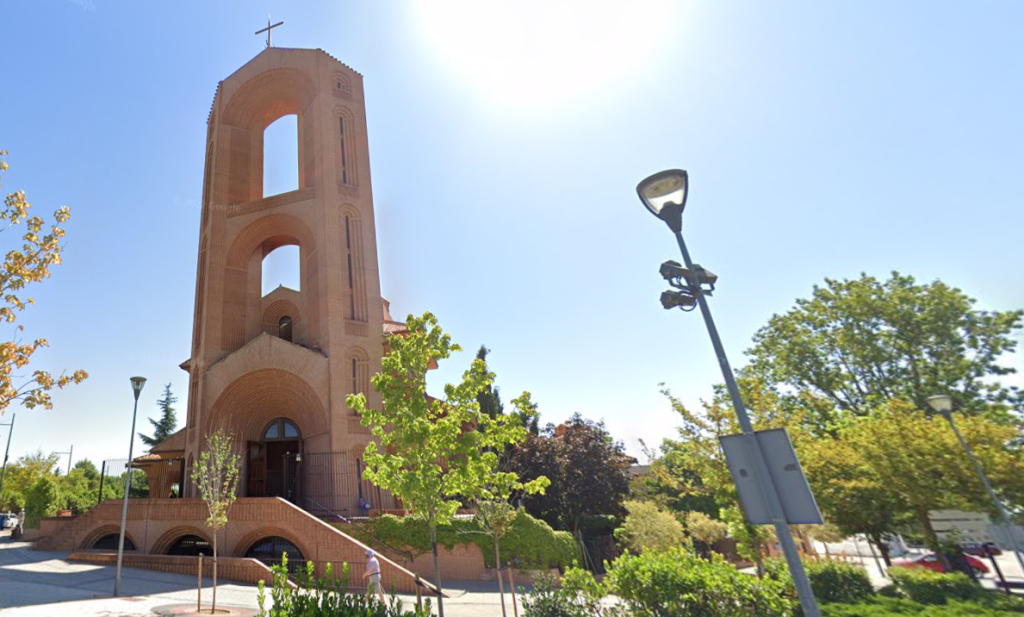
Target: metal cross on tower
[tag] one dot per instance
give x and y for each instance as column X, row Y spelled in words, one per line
column 268, row 29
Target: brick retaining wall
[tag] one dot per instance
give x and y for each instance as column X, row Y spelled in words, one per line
column 238, row 569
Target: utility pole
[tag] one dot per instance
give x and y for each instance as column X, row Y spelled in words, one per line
column 3, row 470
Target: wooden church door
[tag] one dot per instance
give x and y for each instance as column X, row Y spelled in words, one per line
column 257, row 486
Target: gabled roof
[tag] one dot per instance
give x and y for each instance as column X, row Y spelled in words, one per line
column 174, row 443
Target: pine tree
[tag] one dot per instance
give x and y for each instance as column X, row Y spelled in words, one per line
column 168, row 422
column 489, row 398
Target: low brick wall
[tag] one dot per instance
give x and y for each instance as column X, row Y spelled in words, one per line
column 238, row 569
column 155, row 524
column 463, row 562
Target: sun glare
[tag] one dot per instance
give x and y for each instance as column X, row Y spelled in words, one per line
column 542, row 52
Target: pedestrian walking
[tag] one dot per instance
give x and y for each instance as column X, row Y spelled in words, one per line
column 373, row 574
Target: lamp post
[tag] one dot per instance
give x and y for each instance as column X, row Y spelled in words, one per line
column 3, row 470
column 664, row 194
column 943, row 404
column 70, row 452
column 137, row 383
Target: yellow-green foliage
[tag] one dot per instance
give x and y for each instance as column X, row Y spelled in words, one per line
column 929, row 587
column 533, row 542
column 647, row 527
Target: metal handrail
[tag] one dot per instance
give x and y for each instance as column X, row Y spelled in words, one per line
column 407, row 555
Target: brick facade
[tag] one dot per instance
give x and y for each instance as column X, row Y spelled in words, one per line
column 155, row 524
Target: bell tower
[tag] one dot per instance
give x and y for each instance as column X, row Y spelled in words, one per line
column 261, row 364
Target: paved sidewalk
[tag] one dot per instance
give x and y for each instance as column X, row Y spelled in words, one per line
column 43, row 584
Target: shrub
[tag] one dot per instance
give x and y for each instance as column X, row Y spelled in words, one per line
column 530, row 541
column 832, row 581
column 647, row 527
column 929, row 587
column 678, row 582
column 40, row 502
column 704, row 530
column 325, row 597
column 836, row 581
column 547, row 601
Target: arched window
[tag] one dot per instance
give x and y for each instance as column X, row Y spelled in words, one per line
column 284, row 328
column 281, row 430
column 109, row 543
column 190, row 546
column 354, row 268
column 345, row 150
column 281, row 156
column 282, row 267
column 269, row 551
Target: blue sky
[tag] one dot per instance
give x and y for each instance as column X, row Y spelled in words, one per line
column 822, row 139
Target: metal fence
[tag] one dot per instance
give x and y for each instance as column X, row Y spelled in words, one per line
column 331, row 483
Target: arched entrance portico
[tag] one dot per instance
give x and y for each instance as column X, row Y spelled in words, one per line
column 275, row 462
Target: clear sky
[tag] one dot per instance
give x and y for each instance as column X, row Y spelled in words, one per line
column 506, row 139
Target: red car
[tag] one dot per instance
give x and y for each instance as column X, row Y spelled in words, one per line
column 932, row 562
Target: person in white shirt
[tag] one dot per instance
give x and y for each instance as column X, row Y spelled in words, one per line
column 373, row 573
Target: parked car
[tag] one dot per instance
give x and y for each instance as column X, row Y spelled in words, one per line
column 932, row 562
column 979, row 549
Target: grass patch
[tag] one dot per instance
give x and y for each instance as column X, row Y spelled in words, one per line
column 987, row 604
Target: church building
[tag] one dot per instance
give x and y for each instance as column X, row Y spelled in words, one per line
column 274, row 369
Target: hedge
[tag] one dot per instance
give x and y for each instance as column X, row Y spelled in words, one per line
column 930, row 587
column 530, row 541
column 832, row 581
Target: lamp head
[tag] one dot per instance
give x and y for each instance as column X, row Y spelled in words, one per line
column 137, row 383
column 664, row 194
column 942, row 403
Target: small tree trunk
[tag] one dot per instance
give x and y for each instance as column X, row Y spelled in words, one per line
column 497, row 565
column 437, row 570
column 213, row 607
column 931, row 540
column 883, row 548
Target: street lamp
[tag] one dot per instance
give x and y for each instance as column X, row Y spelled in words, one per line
column 664, row 194
column 943, row 404
column 137, row 383
column 70, row 453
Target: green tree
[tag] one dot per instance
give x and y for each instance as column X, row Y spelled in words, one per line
column 589, row 472
column 168, row 422
column 918, row 458
column 40, row 501
column 666, row 483
column 76, row 492
column 698, row 464
column 433, row 454
column 494, row 512
column 22, row 475
column 490, row 397
column 704, row 531
column 89, row 471
column 648, row 527
column 216, row 478
column 859, row 343
column 850, row 493
column 22, row 266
